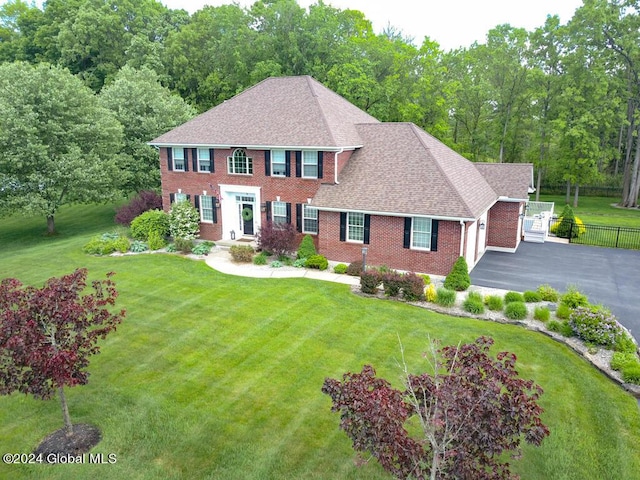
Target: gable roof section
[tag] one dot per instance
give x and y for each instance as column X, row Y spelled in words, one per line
column 401, row 169
column 277, row 112
column 508, row 179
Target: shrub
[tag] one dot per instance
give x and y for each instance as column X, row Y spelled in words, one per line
column 426, row 279
column 392, row 282
column 150, row 221
column 203, row 248
column 568, row 225
column 494, row 302
column 531, row 296
column 276, row 264
column 277, row 238
column 138, row 246
column 572, row 298
column 369, row 281
column 260, row 259
column 340, row 268
column 307, row 248
column 510, row 297
column 458, row 279
column 625, row 344
column 184, row 221
column 430, row 293
column 145, row 200
column 562, row 328
column 355, row 268
column 563, row 312
column 412, row 287
column 300, row 262
column 515, row 311
column 595, row 326
column 318, row 262
column 473, row 303
column 106, row 244
column 548, row 293
column 542, row 314
column 121, row 244
column 241, row 253
column 621, row 360
column 156, row 241
column 184, row 245
column 631, row 374
column 171, row 248
column 445, row 297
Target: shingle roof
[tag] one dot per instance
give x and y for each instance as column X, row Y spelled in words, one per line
column 508, row 179
column 402, row 169
column 281, row 111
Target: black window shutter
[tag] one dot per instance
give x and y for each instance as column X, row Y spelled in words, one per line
column 288, row 213
column 434, row 235
column 196, row 202
column 194, row 159
column 367, row 228
column 343, row 226
column 214, row 200
column 188, row 197
column 212, row 168
column 407, row 232
column 268, row 211
column 170, row 158
column 320, row 164
column 287, row 163
column 172, row 198
column 186, row 159
column 267, row 162
column 298, row 164
column 299, row 217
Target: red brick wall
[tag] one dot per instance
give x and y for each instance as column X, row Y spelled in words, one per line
column 502, row 225
column 386, row 245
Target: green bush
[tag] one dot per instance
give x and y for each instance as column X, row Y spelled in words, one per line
column 563, row 328
column 494, row 302
column 307, row 248
column 184, row 245
column 355, row 268
column 242, row 253
column 300, row 262
column 458, row 278
column 340, row 268
column 548, row 293
column 276, row 264
column 510, row 297
column 260, row 259
column 203, row 248
column 516, row 311
column 625, row 344
column 596, row 326
column 369, row 281
column 106, row 244
column 622, row 359
column 156, row 240
column 631, row 374
column 473, row 303
column 542, row 314
column 150, row 221
column 184, row 221
column 445, row 297
column 426, row 279
column 568, row 225
column 138, row 246
column 531, row 296
column 563, row 312
column 318, row 262
column 573, row 298
column 121, row 244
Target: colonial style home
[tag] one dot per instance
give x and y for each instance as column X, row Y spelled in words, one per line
column 289, row 150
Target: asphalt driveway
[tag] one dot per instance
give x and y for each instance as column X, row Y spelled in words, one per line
column 608, row 276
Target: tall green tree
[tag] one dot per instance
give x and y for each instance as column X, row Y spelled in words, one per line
column 145, row 109
column 57, row 144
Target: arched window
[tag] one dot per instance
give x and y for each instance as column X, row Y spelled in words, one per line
column 240, row 163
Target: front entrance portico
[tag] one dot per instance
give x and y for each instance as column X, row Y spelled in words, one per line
column 240, row 208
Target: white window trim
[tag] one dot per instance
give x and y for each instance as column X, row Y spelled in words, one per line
column 315, row 163
column 413, row 247
column 349, row 225
column 248, row 161
column 208, row 157
column 305, row 208
column 283, row 206
column 173, row 159
column 283, row 164
column 180, row 197
column 202, row 208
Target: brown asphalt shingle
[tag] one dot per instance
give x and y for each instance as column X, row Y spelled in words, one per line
column 508, row 179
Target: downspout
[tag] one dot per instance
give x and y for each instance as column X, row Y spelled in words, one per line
column 335, row 165
column 463, row 226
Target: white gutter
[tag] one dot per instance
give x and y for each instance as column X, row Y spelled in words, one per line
column 463, row 225
column 395, row 214
column 335, row 165
column 255, row 147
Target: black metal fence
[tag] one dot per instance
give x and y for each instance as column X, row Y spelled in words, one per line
column 605, row 236
column 586, row 190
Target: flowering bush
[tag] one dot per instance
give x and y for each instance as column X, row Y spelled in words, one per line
column 596, row 326
column 184, row 221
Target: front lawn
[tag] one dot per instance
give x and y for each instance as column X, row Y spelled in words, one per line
column 216, row 376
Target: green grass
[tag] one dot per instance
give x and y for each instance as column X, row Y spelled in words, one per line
column 215, row 376
column 597, row 210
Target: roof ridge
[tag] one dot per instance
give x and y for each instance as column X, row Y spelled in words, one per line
column 310, row 82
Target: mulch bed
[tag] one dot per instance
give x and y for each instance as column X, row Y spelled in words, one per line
column 83, row 439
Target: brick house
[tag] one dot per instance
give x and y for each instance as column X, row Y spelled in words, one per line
column 289, row 150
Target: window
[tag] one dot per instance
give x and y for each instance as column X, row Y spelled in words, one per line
column 206, row 208
column 309, row 219
column 204, row 160
column 310, row 164
column 279, row 212
column 278, row 163
column 421, row 233
column 240, row 163
column 180, row 197
column 355, row 226
column 178, row 159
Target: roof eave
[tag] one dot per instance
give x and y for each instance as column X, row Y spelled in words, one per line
column 394, row 214
column 323, row 148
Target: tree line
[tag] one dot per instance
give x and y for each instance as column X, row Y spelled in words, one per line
column 564, row 97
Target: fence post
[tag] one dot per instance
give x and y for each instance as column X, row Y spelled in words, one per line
column 571, row 231
column 617, row 237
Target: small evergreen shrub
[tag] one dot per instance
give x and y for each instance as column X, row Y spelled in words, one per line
column 631, row 374
column 548, row 293
column 621, row 360
column 494, row 302
column 241, row 253
column 156, row 241
column 138, row 246
column 426, row 279
column 473, row 303
column 184, row 221
column 445, row 297
column 145, row 200
column 510, row 297
column 277, row 238
column 515, row 311
column 355, row 268
column 458, row 279
column 531, row 297
column 573, row 298
column 203, row 248
column 184, row 245
column 150, row 221
column 430, row 293
column 318, row 262
column 563, row 312
column 412, row 287
column 369, row 281
column 596, row 326
column 568, row 225
column 307, row 248
column 340, row 268
column 392, row 282
column 542, row 314
column 260, row 259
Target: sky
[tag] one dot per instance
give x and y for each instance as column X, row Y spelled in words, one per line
column 451, row 23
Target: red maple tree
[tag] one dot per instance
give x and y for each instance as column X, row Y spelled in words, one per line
column 471, row 410
column 48, row 334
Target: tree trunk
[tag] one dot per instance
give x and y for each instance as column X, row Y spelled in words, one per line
column 626, row 182
column 568, row 194
column 575, row 197
column 634, row 187
column 51, row 225
column 65, row 411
